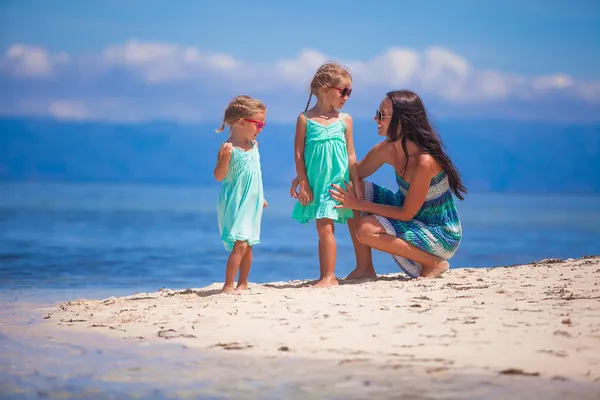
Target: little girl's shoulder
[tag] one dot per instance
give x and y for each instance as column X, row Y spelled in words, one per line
column 346, row 117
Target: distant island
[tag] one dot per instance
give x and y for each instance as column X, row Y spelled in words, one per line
column 493, row 156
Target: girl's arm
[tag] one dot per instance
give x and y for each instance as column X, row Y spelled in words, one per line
column 299, row 149
column 223, row 161
column 372, row 161
column 305, row 195
column 352, row 164
column 294, row 187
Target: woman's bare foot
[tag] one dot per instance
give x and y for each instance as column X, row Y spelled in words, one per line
column 241, row 287
column 229, row 290
column 326, row 282
column 361, row 272
column 434, row 270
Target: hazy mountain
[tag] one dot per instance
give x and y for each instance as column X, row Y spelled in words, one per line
column 491, row 155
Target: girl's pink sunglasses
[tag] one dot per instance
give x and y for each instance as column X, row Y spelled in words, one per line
column 259, row 124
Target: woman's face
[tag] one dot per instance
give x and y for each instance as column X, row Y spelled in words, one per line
column 383, row 116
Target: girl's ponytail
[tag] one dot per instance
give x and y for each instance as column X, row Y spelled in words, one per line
column 222, row 128
column 308, row 102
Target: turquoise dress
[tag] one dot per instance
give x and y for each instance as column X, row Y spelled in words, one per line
column 241, row 200
column 435, row 229
column 326, row 161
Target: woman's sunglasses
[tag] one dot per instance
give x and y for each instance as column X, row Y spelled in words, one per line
column 258, row 124
column 343, row 91
column 380, row 116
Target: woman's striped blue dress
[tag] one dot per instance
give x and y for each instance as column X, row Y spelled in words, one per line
column 435, row 228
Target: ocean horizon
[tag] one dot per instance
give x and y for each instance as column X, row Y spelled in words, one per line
column 123, row 238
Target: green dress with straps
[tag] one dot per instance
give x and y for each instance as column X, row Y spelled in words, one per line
column 241, row 200
column 326, row 161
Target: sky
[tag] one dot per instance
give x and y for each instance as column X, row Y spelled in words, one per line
column 134, row 61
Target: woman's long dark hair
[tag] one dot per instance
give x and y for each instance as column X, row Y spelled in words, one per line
column 409, row 113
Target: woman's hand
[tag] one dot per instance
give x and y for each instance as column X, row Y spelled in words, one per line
column 358, row 188
column 346, row 196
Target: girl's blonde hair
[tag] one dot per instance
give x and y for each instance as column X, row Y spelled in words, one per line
column 328, row 75
column 241, row 107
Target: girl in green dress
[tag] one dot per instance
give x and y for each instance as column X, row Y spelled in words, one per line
column 241, row 201
column 324, row 155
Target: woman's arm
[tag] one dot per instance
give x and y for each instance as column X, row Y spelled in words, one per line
column 415, row 197
column 372, row 161
column 417, row 192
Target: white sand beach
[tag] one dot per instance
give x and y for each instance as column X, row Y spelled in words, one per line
column 540, row 321
column 542, row 318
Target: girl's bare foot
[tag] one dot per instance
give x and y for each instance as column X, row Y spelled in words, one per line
column 361, row 272
column 434, row 270
column 241, row 287
column 229, row 290
column 326, row 282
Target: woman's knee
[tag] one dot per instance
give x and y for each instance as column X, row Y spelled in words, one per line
column 367, row 228
column 364, row 228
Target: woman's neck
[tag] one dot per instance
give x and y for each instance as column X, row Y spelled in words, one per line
column 411, row 147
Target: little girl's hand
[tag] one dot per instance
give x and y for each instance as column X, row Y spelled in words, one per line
column 305, row 195
column 226, row 149
column 265, row 204
column 294, row 188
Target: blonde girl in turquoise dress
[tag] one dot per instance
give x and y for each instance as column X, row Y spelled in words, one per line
column 241, row 201
column 324, row 155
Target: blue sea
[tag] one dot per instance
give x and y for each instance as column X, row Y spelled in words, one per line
column 61, row 239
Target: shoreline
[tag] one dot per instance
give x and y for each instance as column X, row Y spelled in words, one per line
column 527, row 328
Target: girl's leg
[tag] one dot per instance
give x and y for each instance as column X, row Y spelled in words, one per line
column 233, row 263
column 245, row 265
column 364, row 257
column 325, row 229
column 321, row 272
column 371, row 233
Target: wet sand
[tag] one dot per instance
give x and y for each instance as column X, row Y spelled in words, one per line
column 520, row 331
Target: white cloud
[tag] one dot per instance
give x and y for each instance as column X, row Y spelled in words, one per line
column 589, row 90
column 61, row 109
column 139, row 80
column 162, row 62
column 397, row 66
column 122, row 110
column 492, row 84
column 301, row 67
column 33, row 61
column 552, row 82
column 446, row 73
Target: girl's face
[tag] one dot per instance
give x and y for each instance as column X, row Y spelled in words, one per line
column 383, row 116
column 250, row 127
column 338, row 95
